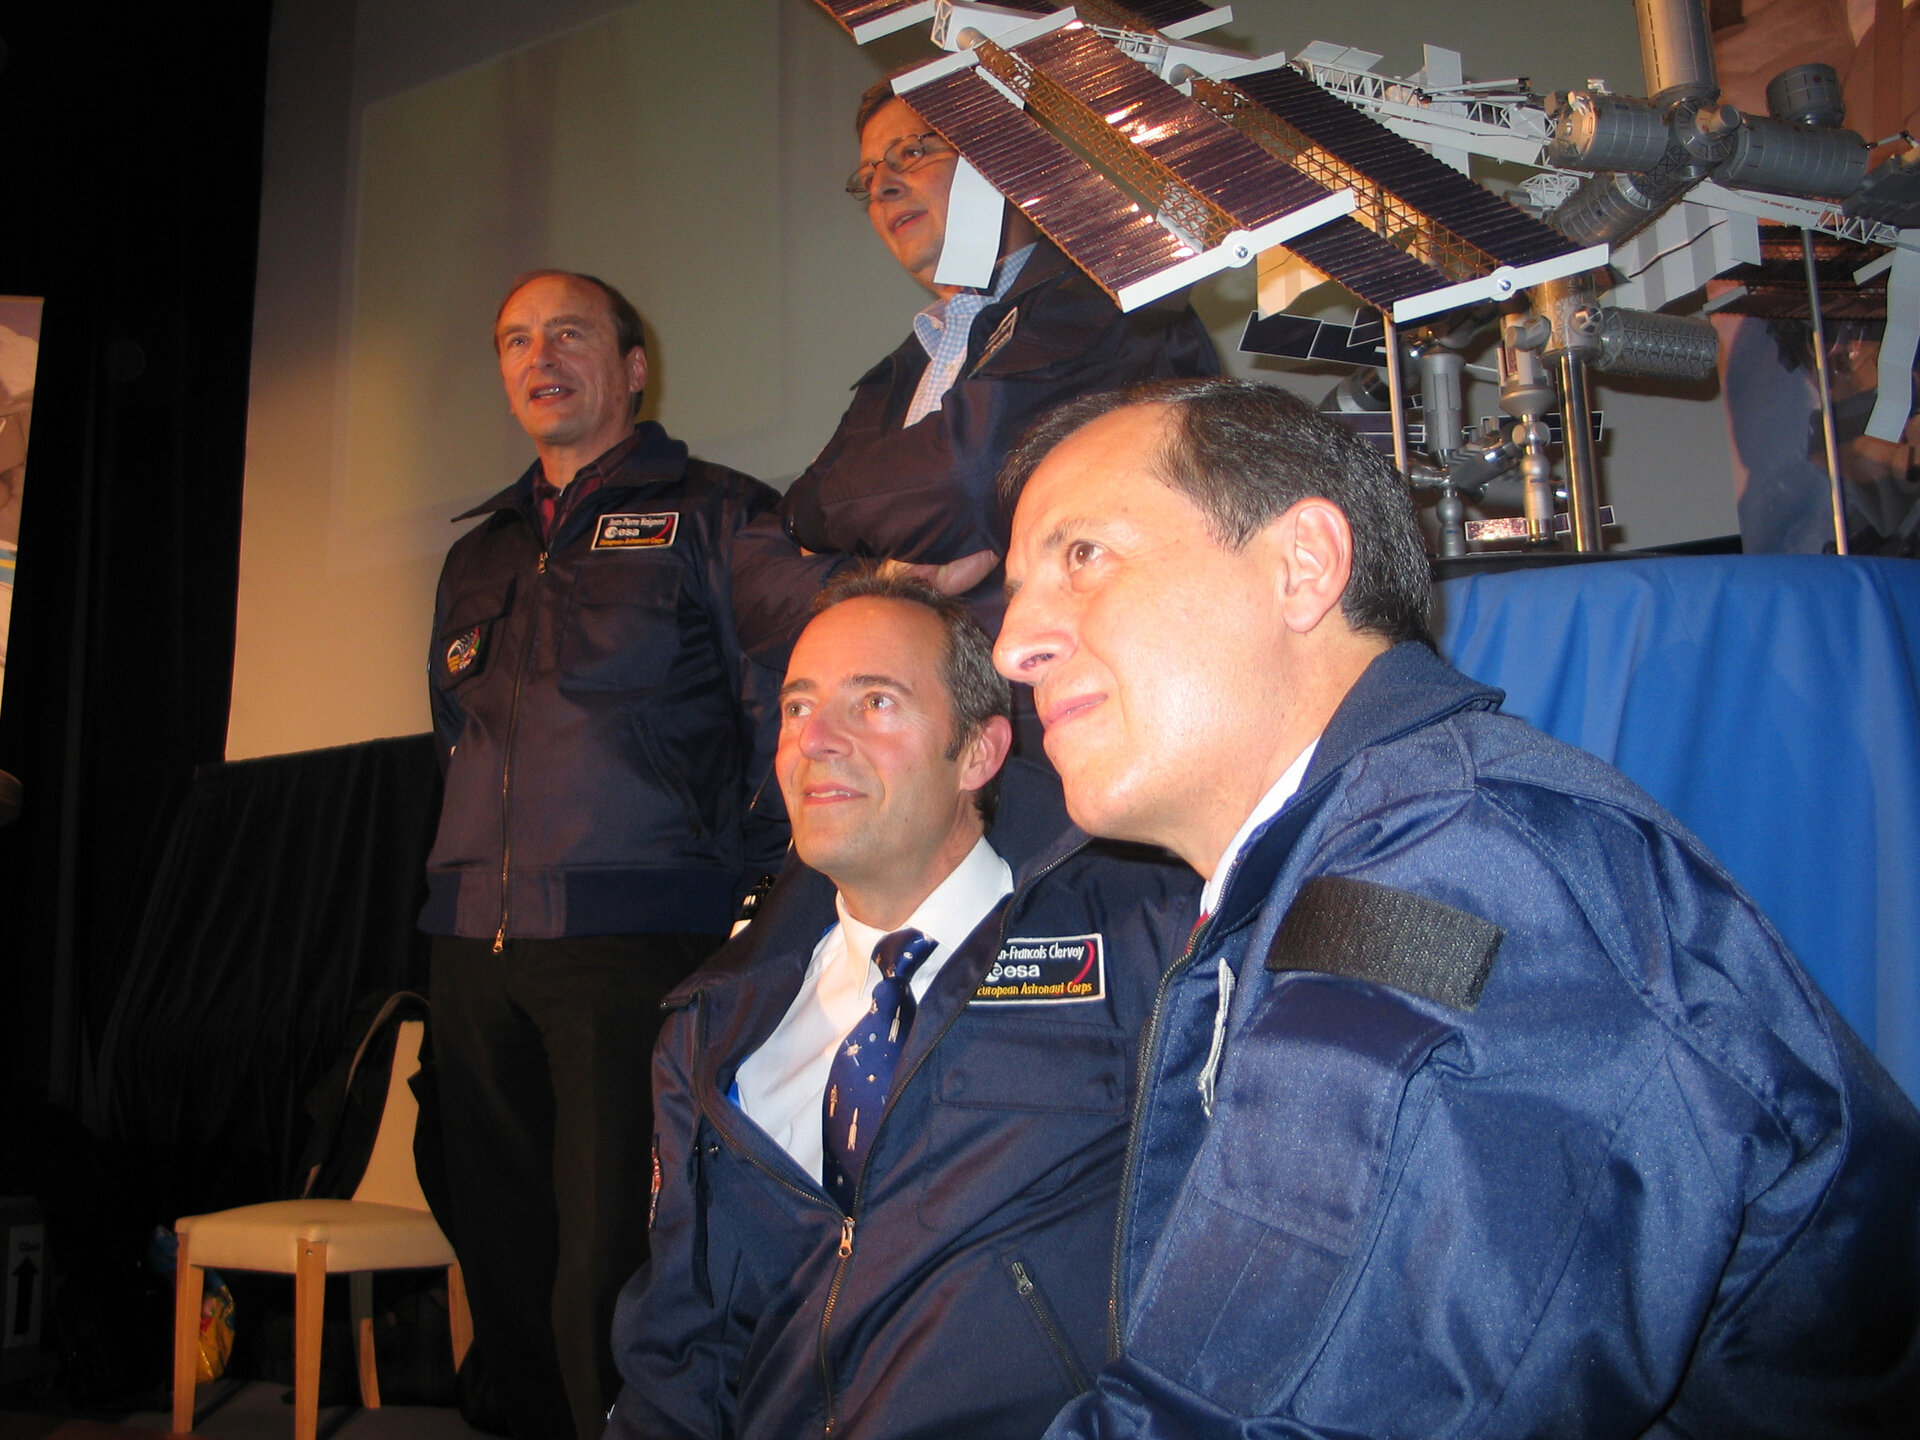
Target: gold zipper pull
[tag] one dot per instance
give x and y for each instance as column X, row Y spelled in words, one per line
column 500, row 940
column 542, row 566
column 846, row 1236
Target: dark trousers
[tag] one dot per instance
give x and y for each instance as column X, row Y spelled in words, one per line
column 544, row 1055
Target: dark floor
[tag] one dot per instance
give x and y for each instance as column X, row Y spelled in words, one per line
column 252, row 1411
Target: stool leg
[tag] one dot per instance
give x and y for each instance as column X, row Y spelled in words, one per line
column 361, row 1284
column 459, row 1317
column 309, row 1315
column 186, row 1337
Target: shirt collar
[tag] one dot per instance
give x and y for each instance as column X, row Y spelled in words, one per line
column 947, row 916
column 598, row 468
column 1270, row 805
column 929, row 323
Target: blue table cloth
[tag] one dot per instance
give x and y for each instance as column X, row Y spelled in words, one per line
column 1773, row 704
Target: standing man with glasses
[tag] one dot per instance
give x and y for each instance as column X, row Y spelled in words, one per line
column 889, row 1116
column 909, row 475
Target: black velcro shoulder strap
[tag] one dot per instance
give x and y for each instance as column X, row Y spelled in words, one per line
column 1373, row 932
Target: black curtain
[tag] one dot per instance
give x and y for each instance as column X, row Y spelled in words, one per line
column 131, row 200
column 286, row 891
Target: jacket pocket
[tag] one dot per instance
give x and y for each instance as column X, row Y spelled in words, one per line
column 622, row 626
column 1026, row 1116
column 668, row 777
column 987, row 1063
column 1294, row 1170
column 1034, row 1299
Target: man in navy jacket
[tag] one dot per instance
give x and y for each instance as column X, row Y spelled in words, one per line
column 945, row 1273
column 908, row 475
column 586, row 696
column 1484, row 1102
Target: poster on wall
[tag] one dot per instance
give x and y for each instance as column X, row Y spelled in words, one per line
column 19, row 359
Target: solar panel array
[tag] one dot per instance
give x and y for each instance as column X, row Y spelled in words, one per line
column 854, row 13
column 1220, row 163
column 1079, row 209
column 1298, row 337
column 1369, row 265
column 1152, row 14
column 1161, row 13
column 1397, row 165
column 1200, row 148
column 1158, row 14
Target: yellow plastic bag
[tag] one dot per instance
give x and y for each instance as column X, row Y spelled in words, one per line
column 216, row 1333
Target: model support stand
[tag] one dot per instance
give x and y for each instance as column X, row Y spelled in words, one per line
column 1825, row 377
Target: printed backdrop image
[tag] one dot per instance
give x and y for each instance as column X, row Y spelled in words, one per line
column 19, row 357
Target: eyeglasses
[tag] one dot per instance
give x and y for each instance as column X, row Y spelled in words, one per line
column 902, row 157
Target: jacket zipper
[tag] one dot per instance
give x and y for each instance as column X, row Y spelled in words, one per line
column 808, row 1196
column 1149, row 1054
column 1025, row 1288
column 899, row 1087
column 506, row 770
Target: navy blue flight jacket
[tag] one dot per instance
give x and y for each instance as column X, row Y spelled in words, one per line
column 925, row 493
column 1645, row 1183
column 587, row 700
column 967, row 1292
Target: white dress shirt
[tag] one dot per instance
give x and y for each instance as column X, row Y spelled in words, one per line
column 782, row 1084
column 1269, row 806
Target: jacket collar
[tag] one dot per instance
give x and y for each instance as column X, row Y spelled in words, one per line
column 1403, row 690
column 657, row 456
column 1032, row 834
column 1046, row 265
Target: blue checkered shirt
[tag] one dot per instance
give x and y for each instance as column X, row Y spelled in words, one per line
column 943, row 328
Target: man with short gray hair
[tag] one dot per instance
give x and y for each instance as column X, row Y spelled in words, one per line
column 1483, row 1101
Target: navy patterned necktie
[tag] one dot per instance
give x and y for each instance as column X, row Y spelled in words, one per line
column 862, row 1071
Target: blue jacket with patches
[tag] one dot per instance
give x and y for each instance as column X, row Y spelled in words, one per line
column 967, row 1292
column 1650, row 1184
column 587, row 697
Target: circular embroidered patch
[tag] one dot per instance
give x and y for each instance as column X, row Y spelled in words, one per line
column 463, row 652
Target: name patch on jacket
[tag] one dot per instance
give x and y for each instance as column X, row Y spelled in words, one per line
column 636, row 532
column 463, row 652
column 1046, row 970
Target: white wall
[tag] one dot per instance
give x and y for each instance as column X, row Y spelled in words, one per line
column 420, row 153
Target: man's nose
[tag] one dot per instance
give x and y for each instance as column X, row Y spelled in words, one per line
column 887, row 183
column 821, row 735
column 1031, row 640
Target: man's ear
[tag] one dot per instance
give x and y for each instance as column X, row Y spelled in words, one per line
column 985, row 753
column 1313, row 551
column 636, row 370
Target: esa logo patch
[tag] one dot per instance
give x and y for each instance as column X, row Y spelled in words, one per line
column 463, row 652
column 1046, row 970
column 636, row 532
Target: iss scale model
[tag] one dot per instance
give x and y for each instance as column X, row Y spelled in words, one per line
column 1153, row 160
